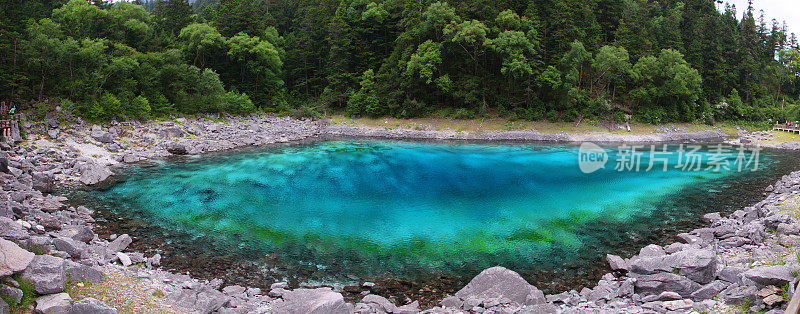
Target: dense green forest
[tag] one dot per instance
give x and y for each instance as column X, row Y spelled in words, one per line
column 557, row 60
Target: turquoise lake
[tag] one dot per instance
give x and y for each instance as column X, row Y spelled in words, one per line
column 366, row 207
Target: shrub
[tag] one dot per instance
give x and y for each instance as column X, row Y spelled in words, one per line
column 464, row 114
column 552, row 116
column 139, row 108
column 238, row 103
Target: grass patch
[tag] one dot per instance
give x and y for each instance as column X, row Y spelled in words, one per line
column 785, row 292
column 791, row 207
column 37, row 249
column 780, row 137
column 28, row 295
column 125, row 293
column 496, row 124
column 159, row 294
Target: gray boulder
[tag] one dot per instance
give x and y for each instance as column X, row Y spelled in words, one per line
column 77, row 272
column 120, row 243
column 499, row 282
column 777, row 275
column 93, row 173
column 697, row 265
column 202, row 300
column 172, row 132
column 70, row 246
column 379, row 303
column 124, row 259
column 78, row 233
column 176, row 148
column 43, row 182
column 13, row 258
column 736, row 294
column 709, row 290
column 54, row 303
column 234, row 290
column 46, row 273
column 312, row 301
column 616, row 262
column 11, row 230
column 658, row 283
column 91, row 306
column 101, row 136
column 130, row 158
column 731, row 274
column 15, row 135
column 652, row 250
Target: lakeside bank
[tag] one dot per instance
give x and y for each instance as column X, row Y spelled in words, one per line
column 78, row 153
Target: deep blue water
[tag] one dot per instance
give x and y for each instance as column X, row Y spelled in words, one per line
column 365, row 207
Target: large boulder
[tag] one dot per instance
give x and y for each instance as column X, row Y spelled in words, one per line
column 11, row 230
column 202, row 300
column 696, row 264
column 54, row 303
column 93, row 173
column 43, row 182
column 658, row 283
column 13, row 258
column 500, row 282
column 46, row 273
column 74, row 248
column 777, row 275
column 171, row 132
column 77, row 272
column 120, row 243
column 78, row 233
column 176, row 148
column 91, row 306
column 379, row 303
column 710, row 290
column 312, row 301
column 616, row 262
column 101, row 136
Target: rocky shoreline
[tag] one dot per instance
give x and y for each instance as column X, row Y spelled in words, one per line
column 747, row 257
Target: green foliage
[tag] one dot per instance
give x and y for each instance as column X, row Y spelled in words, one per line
column 365, row 101
column 661, row 61
column 463, row 114
column 425, row 61
column 667, row 88
column 28, row 295
column 171, row 16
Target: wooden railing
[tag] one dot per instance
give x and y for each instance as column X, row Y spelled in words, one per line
column 793, row 127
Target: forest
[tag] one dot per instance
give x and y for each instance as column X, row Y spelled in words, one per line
column 557, row 60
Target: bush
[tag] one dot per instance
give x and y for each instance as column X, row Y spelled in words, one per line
column 463, row 114
column 619, row 117
column 356, row 105
column 570, row 115
column 139, row 108
column 105, row 109
column 652, row 115
column 305, row 112
column 238, row 103
column 552, row 116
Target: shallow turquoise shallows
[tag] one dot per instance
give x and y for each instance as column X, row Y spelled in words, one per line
column 385, row 206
